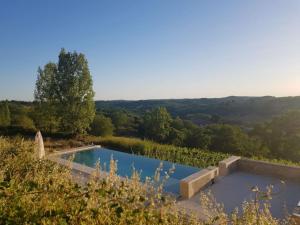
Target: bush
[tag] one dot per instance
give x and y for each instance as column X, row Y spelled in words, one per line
column 189, row 156
column 39, row 192
column 102, row 126
column 24, row 122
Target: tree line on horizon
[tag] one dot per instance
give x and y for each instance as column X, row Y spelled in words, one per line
column 64, row 104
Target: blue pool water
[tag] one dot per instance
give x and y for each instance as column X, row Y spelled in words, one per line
column 126, row 162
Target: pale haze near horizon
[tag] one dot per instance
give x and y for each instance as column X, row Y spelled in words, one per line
column 156, row 49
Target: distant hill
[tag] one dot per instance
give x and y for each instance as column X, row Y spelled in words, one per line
column 233, row 109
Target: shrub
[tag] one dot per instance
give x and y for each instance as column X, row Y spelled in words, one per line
column 40, row 192
column 189, row 156
column 24, row 122
column 102, row 126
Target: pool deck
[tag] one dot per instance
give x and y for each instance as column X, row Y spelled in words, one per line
column 232, row 190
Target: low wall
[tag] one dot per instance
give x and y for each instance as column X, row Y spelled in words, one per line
column 280, row 171
column 269, row 169
column 228, row 165
column 192, row 184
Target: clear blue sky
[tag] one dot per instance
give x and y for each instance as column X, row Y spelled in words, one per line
column 145, row 49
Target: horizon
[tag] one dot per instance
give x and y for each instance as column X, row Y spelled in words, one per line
column 158, row 99
column 155, row 50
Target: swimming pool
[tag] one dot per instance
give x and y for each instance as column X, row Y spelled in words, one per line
column 126, row 162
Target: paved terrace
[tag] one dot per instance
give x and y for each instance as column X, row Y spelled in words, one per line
column 233, row 189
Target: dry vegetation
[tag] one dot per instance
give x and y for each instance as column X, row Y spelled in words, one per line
column 39, row 192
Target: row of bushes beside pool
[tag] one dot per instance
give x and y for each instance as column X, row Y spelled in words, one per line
column 188, row 156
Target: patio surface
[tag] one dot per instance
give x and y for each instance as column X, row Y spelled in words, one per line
column 233, row 189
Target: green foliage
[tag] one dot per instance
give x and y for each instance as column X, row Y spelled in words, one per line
column 64, row 95
column 5, row 118
column 39, row 192
column 281, row 135
column 233, row 109
column 119, row 119
column 17, row 116
column 45, row 117
column 225, row 138
column 231, row 139
column 176, row 137
column 277, row 139
column 157, row 124
column 102, row 126
column 197, row 138
column 188, row 156
column 25, row 122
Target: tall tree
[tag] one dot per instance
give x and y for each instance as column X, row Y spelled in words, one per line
column 157, row 124
column 197, row 138
column 231, row 139
column 5, row 119
column 281, row 135
column 64, row 94
column 119, row 119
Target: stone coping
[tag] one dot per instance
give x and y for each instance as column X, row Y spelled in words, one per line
column 81, row 169
column 269, row 169
column 65, row 151
column 228, row 165
column 192, row 184
column 259, row 167
column 74, row 166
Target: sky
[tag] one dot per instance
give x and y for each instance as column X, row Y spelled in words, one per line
column 154, row 49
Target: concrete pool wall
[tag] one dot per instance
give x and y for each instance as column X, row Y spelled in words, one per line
column 270, row 169
column 277, row 170
column 192, row 184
